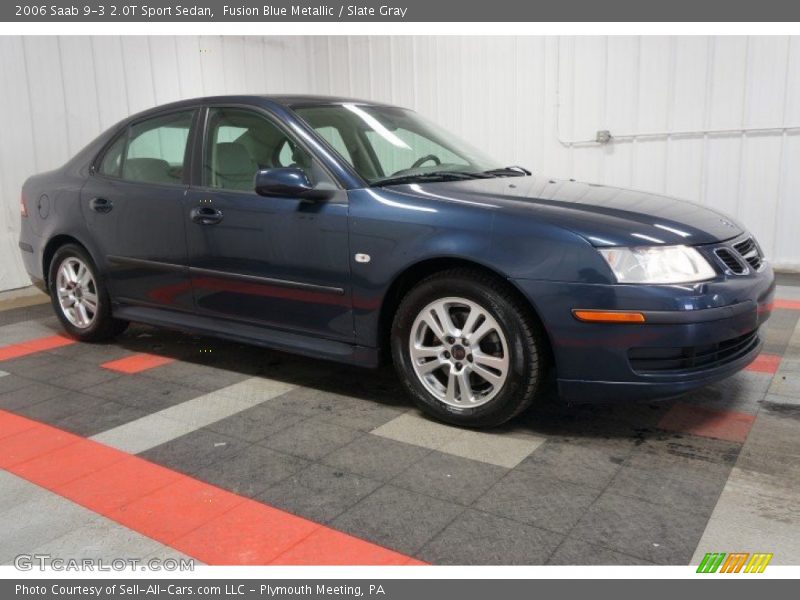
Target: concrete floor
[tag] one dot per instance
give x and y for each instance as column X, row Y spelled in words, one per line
column 267, row 457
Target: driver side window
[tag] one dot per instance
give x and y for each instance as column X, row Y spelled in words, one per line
column 241, row 142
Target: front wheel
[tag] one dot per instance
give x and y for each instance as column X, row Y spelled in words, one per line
column 467, row 350
column 79, row 298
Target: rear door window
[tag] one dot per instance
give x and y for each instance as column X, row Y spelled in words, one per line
column 151, row 151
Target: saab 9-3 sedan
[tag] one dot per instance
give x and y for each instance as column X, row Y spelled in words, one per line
column 352, row 230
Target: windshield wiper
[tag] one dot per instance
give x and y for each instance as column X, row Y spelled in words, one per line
column 513, row 171
column 430, row 176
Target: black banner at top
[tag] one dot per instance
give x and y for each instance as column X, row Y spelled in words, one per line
column 399, row 11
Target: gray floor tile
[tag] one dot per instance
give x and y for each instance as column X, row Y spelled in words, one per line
column 85, row 378
column 766, row 511
column 319, row 493
column 251, row 470
column 773, row 447
column 144, row 434
column 10, row 382
column 660, row 534
column 375, row 457
column 364, row 415
column 203, row 377
column 194, row 451
column 582, row 465
column 15, row 490
column 143, row 393
column 789, row 405
column 39, row 312
column 22, row 365
column 60, row 407
column 305, row 402
column 451, row 478
column 688, row 473
column 91, row 354
column 786, row 383
column 741, row 392
column 100, row 538
column 29, row 395
column 102, row 417
column 477, row 538
column 256, row 423
column 380, row 386
column 397, row 518
column 24, row 331
column 574, row 551
column 70, row 374
column 506, row 449
column 33, row 523
column 541, row 501
column 311, row 439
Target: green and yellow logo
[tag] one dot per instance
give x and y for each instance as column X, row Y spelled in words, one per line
column 734, row 562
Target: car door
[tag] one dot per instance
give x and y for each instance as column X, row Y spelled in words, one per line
column 281, row 262
column 133, row 205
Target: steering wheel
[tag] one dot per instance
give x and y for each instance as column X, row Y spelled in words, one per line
column 422, row 160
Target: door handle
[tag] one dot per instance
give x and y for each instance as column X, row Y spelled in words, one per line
column 205, row 215
column 101, row 205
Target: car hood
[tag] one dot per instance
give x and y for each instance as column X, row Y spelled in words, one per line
column 604, row 215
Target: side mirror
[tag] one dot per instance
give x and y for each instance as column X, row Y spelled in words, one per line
column 288, row 182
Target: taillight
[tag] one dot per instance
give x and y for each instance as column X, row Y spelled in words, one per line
column 23, row 208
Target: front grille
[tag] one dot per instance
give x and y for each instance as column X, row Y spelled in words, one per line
column 663, row 361
column 740, row 255
column 749, row 251
column 730, row 261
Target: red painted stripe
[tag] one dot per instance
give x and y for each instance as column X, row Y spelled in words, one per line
column 787, row 304
column 211, row 524
column 765, row 363
column 707, row 422
column 34, row 346
column 137, row 363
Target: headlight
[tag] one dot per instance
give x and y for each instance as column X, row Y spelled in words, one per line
column 657, row 264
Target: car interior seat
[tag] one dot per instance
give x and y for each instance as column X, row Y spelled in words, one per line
column 153, row 170
column 234, row 168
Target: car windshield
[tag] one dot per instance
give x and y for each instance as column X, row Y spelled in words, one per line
column 386, row 145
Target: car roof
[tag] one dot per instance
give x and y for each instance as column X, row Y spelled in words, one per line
column 286, row 100
column 295, row 100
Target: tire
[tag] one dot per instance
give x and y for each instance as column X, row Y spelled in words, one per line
column 513, row 353
column 92, row 323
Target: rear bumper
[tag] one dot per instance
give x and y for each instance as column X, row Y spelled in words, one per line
column 693, row 335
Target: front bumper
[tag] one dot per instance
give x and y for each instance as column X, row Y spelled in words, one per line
column 694, row 335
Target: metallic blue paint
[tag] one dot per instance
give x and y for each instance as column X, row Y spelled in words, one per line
column 280, row 272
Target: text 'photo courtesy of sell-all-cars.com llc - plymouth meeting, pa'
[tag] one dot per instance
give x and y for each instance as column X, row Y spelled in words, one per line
column 357, row 231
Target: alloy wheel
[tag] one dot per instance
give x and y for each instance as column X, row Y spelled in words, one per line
column 77, row 292
column 459, row 352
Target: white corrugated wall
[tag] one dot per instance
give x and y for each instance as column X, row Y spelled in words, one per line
column 58, row 93
column 712, row 119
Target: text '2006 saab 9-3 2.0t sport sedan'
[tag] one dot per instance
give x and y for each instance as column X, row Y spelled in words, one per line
column 351, row 230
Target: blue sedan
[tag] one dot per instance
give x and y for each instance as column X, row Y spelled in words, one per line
column 355, row 231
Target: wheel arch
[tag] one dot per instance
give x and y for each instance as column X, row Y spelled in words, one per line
column 52, row 246
column 413, row 274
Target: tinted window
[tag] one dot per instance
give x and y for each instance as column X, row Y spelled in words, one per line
column 112, row 160
column 240, row 142
column 156, row 149
column 334, row 138
column 384, row 141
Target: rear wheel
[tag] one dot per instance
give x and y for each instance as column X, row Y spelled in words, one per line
column 79, row 298
column 467, row 350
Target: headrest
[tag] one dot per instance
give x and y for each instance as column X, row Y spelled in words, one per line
column 147, row 169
